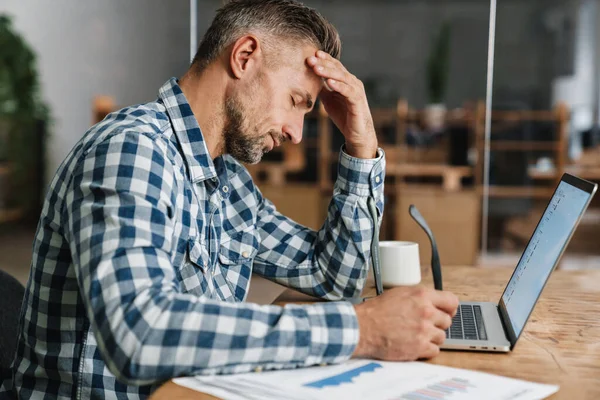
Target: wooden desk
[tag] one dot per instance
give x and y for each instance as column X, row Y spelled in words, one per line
column 561, row 343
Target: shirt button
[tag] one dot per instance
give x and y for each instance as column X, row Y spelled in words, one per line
column 225, row 189
column 245, row 254
column 377, row 179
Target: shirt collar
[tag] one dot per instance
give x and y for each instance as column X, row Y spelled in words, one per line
column 187, row 131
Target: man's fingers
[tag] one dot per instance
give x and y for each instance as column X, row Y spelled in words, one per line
column 431, row 351
column 340, row 87
column 321, row 55
column 336, row 76
column 331, row 68
column 326, row 71
column 444, row 301
column 438, row 336
column 442, row 319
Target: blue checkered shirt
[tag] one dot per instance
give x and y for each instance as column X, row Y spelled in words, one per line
column 143, row 257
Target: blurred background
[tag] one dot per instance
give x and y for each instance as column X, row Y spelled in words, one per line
column 64, row 65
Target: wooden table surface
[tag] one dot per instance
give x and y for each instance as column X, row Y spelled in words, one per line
column 560, row 345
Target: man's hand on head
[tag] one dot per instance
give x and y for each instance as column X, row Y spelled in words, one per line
column 346, row 103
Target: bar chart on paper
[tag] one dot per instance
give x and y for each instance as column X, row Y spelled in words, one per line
column 437, row 390
column 344, row 377
column 414, row 381
column 445, row 389
column 368, row 379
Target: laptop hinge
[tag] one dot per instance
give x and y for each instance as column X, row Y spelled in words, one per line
column 504, row 325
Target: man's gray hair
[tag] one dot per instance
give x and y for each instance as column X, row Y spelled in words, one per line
column 274, row 19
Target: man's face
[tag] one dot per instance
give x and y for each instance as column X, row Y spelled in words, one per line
column 269, row 107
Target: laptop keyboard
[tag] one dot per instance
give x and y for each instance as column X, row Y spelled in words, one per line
column 467, row 324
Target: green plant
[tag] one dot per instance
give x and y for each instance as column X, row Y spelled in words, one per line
column 438, row 64
column 21, row 108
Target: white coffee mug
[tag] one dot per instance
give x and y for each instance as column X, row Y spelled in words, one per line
column 400, row 264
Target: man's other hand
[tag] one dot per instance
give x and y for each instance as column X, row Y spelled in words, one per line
column 404, row 323
column 346, row 103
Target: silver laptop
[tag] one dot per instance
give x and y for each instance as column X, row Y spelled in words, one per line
column 493, row 327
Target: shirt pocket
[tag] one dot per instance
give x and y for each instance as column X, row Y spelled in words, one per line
column 236, row 255
column 195, row 269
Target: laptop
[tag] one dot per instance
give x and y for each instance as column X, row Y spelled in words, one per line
column 480, row 326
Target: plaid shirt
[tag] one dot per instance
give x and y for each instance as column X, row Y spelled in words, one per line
column 143, row 258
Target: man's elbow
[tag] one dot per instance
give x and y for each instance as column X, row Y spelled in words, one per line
column 338, row 290
column 124, row 364
column 145, row 364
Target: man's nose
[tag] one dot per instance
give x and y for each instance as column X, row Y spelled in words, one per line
column 294, row 132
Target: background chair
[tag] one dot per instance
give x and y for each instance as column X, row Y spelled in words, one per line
column 10, row 308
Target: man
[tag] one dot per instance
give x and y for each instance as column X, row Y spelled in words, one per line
column 152, row 227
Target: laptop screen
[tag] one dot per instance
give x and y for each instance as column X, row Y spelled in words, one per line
column 542, row 252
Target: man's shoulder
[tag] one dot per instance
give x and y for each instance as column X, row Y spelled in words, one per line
column 135, row 124
column 141, row 124
column 148, row 119
column 153, row 114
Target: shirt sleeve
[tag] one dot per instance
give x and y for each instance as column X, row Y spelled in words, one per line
column 332, row 263
column 120, row 229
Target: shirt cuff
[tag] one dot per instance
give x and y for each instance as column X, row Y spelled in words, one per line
column 360, row 176
column 334, row 332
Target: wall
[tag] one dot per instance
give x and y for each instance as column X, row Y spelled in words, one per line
column 578, row 89
column 128, row 49
column 390, row 41
column 125, row 49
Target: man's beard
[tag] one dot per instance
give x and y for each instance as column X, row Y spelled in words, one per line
column 243, row 146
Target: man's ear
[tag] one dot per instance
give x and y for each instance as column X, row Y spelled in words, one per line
column 245, row 54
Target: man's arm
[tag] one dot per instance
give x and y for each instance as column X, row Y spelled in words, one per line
column 332, row 263
column 120, row 228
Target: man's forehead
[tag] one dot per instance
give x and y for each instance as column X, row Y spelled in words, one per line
column 295, row 72
column 307, row 77
column 297, row 53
